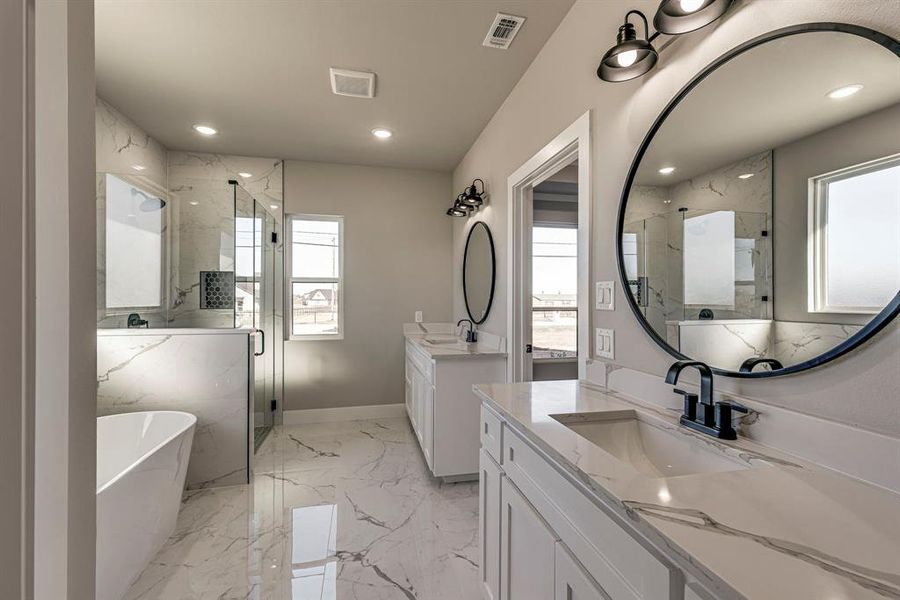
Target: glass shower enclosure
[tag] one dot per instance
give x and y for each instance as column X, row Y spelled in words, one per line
column 258, row 262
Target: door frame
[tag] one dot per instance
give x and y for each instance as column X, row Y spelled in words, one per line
column 573, row 143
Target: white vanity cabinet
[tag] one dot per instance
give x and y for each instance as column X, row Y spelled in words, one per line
column 554, row 541
column 443, row 410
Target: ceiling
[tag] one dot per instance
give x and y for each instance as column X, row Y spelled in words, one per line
column 770, row 96
column 257, row 70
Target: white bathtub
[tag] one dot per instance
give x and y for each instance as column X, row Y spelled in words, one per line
column 142, row 460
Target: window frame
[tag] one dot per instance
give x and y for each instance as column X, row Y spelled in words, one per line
column 817, row 235
column 291, row 280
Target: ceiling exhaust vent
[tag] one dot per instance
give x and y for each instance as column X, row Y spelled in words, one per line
column 357, row 84
column 503, row 30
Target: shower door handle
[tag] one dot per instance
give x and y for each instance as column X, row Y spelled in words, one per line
column 263, row 336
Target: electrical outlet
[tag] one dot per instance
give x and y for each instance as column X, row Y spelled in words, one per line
column 605, row 295
column 605, row 343
column 418, row 316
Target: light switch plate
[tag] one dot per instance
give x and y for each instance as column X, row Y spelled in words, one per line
column 606, row 295
column 418, row 316
column 605, row 344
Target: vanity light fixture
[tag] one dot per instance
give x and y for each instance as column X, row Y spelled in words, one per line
column 845, row 91
column 630, row 57
column 382, row 134
column 246, row 175
column 746, row 175
column 675, row 17
column 458, row 209
column 138, row 167
column 205, row 130
column 471, row 196
column 667, row 170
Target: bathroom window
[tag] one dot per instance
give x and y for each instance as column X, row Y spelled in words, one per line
column 134, row 249
column 316, row 267
column 854, row 252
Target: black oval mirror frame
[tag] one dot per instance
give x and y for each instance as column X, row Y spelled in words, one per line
column 872, row 327
column 490, row 301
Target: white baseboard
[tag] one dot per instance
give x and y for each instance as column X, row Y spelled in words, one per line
column 348, row 413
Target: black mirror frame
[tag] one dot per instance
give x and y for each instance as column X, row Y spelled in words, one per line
column 487, row 310
column 872, row 327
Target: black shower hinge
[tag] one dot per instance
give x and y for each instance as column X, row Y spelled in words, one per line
column 274, row 237
column 274, row 405
column 765, row 233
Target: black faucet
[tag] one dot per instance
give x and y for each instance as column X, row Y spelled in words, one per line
column 747, row 365
column 135, row 321
column 703, row 414
column 471, row 336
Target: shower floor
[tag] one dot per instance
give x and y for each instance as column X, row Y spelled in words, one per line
column 335, row 511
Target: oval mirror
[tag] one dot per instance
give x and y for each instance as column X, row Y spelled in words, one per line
column 479, row 272
column 759, row 230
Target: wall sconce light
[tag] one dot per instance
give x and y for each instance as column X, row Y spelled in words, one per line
column 632, row 57
column 471, row 196
column 674, row 17
column 468, row 201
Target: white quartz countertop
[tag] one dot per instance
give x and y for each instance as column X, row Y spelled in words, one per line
column 441, row 346
column 785, row 530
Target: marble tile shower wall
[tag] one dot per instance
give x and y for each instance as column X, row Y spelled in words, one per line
column 654, row 212
column 728, row 344
column 204, row 374
column 199, row 216
column 198, row 183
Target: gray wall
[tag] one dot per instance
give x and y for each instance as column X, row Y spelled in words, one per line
column 858, row 389
column 397, row 261
column 867, row 138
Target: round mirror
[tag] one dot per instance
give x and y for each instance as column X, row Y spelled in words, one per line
column 479, row 272
column 759, row 230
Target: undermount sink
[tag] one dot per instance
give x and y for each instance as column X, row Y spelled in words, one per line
column 649, row 449
column 446, row 342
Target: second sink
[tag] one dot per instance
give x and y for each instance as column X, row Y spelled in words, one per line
column 648, row 448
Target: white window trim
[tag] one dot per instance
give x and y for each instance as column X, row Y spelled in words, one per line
column 290, row 279
column 817, row 240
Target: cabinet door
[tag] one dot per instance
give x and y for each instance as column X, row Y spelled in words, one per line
column 572, row 582
column 489, row 525
column 527, row 549
column 408, row 397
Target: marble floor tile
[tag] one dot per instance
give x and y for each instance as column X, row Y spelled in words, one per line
column 336, row 511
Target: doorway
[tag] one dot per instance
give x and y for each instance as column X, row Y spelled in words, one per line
column 549, row 272
column 554, row 277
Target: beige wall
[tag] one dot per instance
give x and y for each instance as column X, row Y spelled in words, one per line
column 867, row 138
column 560, row 85
column 397, row 261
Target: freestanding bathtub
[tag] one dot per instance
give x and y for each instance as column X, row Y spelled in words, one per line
column 142, row 460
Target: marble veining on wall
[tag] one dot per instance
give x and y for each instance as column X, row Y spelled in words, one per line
column 203, row 374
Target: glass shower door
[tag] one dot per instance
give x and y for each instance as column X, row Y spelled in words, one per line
column 264, row 322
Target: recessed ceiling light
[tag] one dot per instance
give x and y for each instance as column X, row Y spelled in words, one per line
column 205, row 130
column 273, row 206
column 667, row 170
column 844, row 92
column 194, row 203
column 245, row 175
column 382, row 134
column 746, row 175
column 138, row 167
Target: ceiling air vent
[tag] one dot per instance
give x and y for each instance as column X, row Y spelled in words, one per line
column 503, row 30
column 357, row 84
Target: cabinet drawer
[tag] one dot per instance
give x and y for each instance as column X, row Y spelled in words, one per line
column 491, row 434
column 615, row 559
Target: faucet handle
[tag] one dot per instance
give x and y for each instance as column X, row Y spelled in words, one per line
column 690, row 403
column 735, row 406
